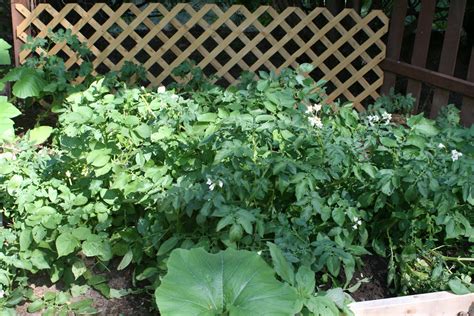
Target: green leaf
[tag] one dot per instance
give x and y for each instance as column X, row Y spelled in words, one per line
column 78, row 268
column 306, row 67
column 6, row 129
column 7, row 110
column 322, row 306
column 143, row 130
column 423, row 126
column 98, row 157
column 337, row 296
column 66, row 244
column 207, row 117
column 262, row 85
column 168, row 245
column 305, row 281
column 163, row 132
column 39, row 134
column 35, row 306
column 417, row 141
column 237, row 282
column 95, row 246
column 369, row 169
column 30, row 84
column 5, row 58
column 339, row 216
column 125, row 260
column 81, row 305
column 147, row 273
column 388, row 142
column 38, row 259
column 334, row 265
column 282, row 267
column 458, row 287
column 25, row 239
column 81, row 233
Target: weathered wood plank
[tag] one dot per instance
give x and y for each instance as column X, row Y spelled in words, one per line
column 438, row 303
column 467, row 108
column 422, row 43
column 449, row 52
column 395, row 37
column 434, row 78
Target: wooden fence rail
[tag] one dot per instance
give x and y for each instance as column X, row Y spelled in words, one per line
column 346, row 49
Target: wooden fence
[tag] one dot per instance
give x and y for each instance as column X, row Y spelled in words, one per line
column 442, row 81
column 346, row 49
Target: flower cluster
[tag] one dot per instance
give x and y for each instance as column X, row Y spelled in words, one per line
column 357, row 223
column 212, row 184
column 387, row 117
column 314, row 119
column 455, row 154
column 373, row 119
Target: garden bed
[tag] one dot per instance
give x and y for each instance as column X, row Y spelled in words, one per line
column 204, row 199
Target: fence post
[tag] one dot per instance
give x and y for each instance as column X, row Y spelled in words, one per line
column 16, row 20
column 394, row 41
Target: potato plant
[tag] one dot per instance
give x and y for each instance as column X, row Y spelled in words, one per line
column 134, row 173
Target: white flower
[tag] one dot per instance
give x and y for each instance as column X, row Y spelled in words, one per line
column 174, row 97
column 357, row 223
column 373, row 119
column 212, row 184
column 161, row 89
column 315, row 121
column 315, row 108
column 455, row 154
column 387, row 117
column 2, row 293
column 68, row 174
column 259, row 252
column 441, row 146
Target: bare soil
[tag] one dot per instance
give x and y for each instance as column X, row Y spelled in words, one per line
column 132, row 304
column 376, row 269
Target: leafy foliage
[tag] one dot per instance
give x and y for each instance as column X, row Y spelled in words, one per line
column 136, row 173
column 394, row 103
column 45, row 79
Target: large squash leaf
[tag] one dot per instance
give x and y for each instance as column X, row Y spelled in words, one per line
column 28, row 82
column 4, row 52
column 237, row 282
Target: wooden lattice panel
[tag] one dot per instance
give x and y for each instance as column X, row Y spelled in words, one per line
column 345, row 49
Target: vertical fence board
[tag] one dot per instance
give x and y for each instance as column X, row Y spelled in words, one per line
column 395, row 38
column 422, row 43
column 449, row 51
column 467, row 108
